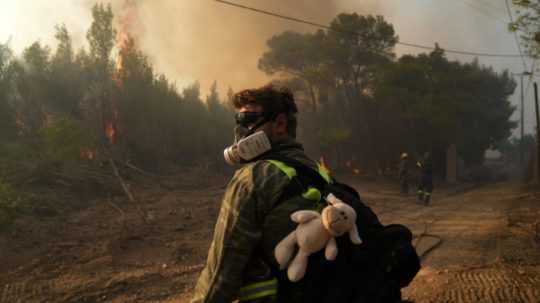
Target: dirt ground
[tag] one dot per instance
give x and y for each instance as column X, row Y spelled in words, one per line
column 478, row 245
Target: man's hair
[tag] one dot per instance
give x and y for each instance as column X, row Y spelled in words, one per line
column 273, row 100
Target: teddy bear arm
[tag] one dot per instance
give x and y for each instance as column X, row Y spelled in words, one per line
column 303, row 216
column 285, row 249
column 330, row 252
column 297, row 268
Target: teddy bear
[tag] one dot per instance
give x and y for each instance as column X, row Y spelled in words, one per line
column 314, row 232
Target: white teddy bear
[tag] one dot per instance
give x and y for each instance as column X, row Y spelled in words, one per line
column 314, row 232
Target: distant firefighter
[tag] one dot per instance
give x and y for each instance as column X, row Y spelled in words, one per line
column 404, row 173
column 425, row 184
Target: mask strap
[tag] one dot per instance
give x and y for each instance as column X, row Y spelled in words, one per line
column 267, row 118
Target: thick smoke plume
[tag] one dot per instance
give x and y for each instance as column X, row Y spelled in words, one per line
column 206, row 40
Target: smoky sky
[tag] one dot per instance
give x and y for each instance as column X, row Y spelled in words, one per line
column 206, row 41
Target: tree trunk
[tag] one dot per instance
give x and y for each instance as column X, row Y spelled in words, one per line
column 313, row 97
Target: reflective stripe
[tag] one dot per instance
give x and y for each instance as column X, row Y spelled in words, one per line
column 324, row 173
column 420, row 192
column 312, row 194
column 289, row 171
column 258, row 290
column 427, row 193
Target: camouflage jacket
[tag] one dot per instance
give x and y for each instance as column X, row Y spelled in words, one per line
column 251, row 221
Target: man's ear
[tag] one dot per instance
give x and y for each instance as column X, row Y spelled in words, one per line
column 281, row 123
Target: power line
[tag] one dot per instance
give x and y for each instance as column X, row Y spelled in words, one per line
column 461, row 52
column 491, row 4
column 483, row 11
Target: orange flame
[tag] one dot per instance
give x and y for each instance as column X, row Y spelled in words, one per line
column 125, row 23
column 109, row 132
column 88, row 154
column 123, row 40
column 323, row 164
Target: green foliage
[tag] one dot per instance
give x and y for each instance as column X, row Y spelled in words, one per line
column 442, row 102
column 53, row 104
column 10, row 204
column 371, row 106
column 101, row 35
column 357, row 100
column 33, row 88
column 66, row 76
column 527, row 24
column 8, row 127
column 63, row 140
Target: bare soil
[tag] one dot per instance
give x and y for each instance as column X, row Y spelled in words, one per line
column 478, row 244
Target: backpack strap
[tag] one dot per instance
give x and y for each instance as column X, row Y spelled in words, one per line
column 319, row 176
column 305, row 181
column 287, row 170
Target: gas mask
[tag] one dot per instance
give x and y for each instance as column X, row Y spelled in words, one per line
column 248, row 143
column 247, row 148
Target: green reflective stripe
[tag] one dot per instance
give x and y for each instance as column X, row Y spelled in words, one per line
column 324, row 174
column 289, row 171
column 427, row 193
column 262, row 294
column 312, row 194
column 258, row 290
column 256, row 285
column 420, row 192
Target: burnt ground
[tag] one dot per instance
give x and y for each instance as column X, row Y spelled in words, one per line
column 106, row 252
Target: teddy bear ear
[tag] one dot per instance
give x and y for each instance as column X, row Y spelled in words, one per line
column 331, row 199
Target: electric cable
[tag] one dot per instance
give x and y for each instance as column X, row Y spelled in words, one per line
column 484, row 12
column 414, row 45
column 492, row 5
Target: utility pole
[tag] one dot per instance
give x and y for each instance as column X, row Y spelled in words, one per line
column 521, row 132
column 522, row 120
column 537, row 133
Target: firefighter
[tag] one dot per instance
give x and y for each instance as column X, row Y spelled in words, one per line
column 425, row 184
column 404, row 173
column 255, row 215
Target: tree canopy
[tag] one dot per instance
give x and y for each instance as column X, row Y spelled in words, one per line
column 372, row 105
column 527, row 25
column 359, row 102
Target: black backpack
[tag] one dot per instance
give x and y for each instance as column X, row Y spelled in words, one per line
column 374, row 271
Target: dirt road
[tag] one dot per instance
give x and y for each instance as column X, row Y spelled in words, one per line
column 106, row 253
column 483, row 240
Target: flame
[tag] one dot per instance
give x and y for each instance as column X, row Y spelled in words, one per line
column 123, row 38
column 323, row 164
column 350, row 164
column 109, row 132
column 88, row 154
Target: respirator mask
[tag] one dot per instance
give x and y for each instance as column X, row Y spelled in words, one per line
column 248, row 142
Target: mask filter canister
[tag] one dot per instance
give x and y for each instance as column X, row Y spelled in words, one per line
column 247, row 148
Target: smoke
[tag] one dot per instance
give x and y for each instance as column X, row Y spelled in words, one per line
column 207, row 41
column 204, row 40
